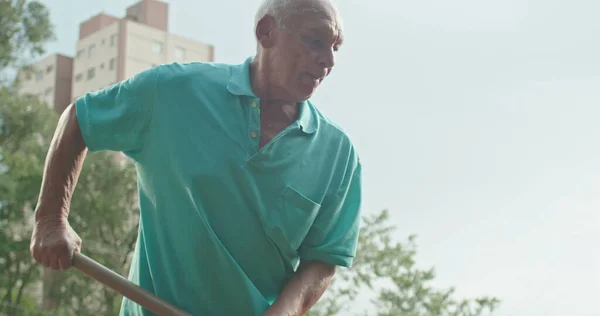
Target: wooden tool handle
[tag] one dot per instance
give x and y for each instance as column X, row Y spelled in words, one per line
column 124, row 286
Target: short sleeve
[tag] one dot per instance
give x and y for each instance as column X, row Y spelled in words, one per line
column 333, row 237
column 116, row 118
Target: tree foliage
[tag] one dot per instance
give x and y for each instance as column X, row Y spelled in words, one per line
column 407, row 289
column 104, row 206
column 25, row 133
column 25, row 29
column 103, row 211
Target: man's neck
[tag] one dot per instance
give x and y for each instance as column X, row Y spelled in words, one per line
column 263, row 89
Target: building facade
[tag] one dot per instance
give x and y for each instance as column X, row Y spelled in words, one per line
column 50, row 81
column 110, row 49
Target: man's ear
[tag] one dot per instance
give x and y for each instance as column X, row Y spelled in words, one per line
column 265, row 31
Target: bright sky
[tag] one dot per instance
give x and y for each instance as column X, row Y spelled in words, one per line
column 477, row 123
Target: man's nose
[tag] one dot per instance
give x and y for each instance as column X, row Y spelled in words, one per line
column 327, row 59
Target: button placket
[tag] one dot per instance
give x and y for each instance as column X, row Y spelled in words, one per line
column 254, row 126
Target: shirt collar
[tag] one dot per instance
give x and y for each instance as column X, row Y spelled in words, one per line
column 239, row 84
column 307, row 118
column 239, row 80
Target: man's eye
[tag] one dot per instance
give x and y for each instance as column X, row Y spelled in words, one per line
column 317, row 43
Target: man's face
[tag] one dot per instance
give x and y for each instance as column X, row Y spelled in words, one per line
column 303, row 51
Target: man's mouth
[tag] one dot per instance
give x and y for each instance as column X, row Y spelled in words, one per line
column 317, row 76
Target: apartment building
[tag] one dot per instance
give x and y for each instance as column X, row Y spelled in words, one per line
column 50, row 81
column 110, row 49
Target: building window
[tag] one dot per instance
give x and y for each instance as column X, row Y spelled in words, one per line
column 102, row 66
column 157, row 47
column 39, row 76
column 79, row 77
column 113, row 39
column 48, row 91
column 112, row 64
column 91, row 50
column 103, row 41
column 49, row 69
column 80, row 53
column 180, row 53
column 91, row 73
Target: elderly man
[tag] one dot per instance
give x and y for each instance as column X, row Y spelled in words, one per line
column 249, row 195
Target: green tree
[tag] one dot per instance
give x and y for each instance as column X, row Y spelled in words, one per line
column 25, row 29
column 407, row 290
column 25, row 132
column 104, row 213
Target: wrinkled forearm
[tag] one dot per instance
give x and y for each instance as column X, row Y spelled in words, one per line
column 303, row 290
column 62, row 167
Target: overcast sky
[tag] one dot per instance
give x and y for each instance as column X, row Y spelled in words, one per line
column 477, row 123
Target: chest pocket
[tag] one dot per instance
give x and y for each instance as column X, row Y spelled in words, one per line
column 291, row 219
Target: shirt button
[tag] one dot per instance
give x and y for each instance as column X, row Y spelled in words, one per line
column 253, row 134
column 254, row 105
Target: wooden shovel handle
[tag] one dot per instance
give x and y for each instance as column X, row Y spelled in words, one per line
column 128, row 289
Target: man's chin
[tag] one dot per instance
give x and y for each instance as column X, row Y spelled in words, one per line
column 305, row 97
column 308, row 92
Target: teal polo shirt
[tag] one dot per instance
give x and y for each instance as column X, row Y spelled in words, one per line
column 223, row 225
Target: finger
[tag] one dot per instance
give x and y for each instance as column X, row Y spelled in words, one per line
column 36, row 255
column 64, row 262
column 59, row 255
column 54, row 263
column 78, row 245
column 44, row 257
column 45, row 261
column 32, row 250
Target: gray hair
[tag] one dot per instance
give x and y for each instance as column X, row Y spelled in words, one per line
column 279, row 9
